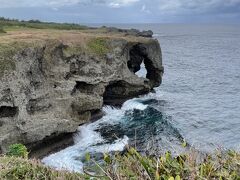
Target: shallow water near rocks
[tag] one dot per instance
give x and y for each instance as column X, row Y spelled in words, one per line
column 198, row 102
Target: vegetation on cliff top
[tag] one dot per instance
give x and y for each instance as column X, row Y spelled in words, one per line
column 7, row 51
column 14, row 23
column 98, row 46
column 6, row 66
column 130, row 165
column 1, row 30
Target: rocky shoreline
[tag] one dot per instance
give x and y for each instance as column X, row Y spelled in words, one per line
column 54, row 81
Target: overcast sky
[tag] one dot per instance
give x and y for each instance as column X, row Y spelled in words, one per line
column 124, row 11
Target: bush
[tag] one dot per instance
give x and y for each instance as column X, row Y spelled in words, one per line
column 132, row 165
column 39, row 25
column 1, row 30
column 18, row 150
column 99, row 46
column 14, row 168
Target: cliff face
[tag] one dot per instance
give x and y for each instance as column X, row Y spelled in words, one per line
column 52, row 82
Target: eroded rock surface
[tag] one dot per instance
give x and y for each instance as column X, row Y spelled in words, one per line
column 56, row 85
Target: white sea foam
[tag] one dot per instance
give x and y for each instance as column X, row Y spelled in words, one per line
column 70, row 158
column 133, row 104
column 89, row 140
column 86, row 135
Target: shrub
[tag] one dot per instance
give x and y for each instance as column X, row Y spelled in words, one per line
column 1, row 30
column 18, row 150
column 98, row 46
column 39, row 25
column 14, row 168
column 133, row 165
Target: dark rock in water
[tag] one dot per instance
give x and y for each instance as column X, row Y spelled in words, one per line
column 148, row 33
column 111, row 132
column 49, row 89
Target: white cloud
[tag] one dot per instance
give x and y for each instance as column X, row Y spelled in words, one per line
column 112, row 11
column 164, row 5
column 36, row 3
column 120, row 3
column 60, row 3
column 195, row 6
column 154, row 7
column 144, row 9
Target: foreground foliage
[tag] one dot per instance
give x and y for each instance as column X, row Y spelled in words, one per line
column 130, row 165
column 15, row 168
column 18, row 150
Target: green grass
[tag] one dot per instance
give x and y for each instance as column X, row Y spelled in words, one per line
column 14, row 168
column 18, row 150
column 6, row 62
column 14, row 23
column 132, row 165
column 72, row 51
column 7, row 52
column 99, row 46
column 2, row 31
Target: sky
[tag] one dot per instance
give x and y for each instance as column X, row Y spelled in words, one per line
column 124, row 11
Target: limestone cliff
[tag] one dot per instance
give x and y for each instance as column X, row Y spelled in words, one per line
column 53, row 81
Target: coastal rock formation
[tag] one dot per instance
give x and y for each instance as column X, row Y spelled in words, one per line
column 52, row 82
column 132, row 32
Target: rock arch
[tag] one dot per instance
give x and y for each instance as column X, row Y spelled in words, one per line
column 138, row 55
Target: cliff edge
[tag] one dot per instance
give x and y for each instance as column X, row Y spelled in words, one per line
column 52, row 81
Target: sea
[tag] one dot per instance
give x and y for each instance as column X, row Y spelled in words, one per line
column 196, row 107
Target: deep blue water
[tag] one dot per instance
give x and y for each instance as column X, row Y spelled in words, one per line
column 198, row 102
column 202, row 83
